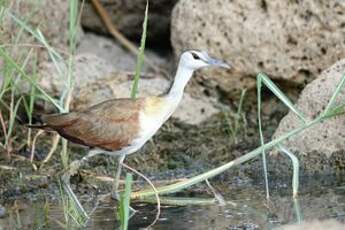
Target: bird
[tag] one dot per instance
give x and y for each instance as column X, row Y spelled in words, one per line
column 119, row 127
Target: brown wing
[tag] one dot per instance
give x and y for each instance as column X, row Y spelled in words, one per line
column 110, row 125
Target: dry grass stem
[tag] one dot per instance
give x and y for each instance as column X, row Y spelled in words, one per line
column 33, row 146
column 153, row 188
column 120, row 37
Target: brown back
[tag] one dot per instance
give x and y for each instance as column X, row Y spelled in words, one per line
column 110, row 125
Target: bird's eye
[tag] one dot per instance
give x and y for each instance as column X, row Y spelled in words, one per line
column 195, row 56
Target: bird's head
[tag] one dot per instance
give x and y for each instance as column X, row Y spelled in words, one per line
column 195, row 59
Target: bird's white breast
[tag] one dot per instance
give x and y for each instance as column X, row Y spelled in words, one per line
column 152, row 118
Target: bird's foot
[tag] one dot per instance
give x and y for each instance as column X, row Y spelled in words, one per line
column 71, row 170
column 115, row 195
column 74, row 167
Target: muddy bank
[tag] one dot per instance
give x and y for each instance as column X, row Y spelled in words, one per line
column 178, row 150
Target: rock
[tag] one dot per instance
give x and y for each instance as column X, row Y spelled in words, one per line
column 291, row 41
column 128, row 17
column 88, row 69
column 321, row 146
column 120, row 59
column 314, row 225
column 51, row 17
column 2, row 211
column 1, row 78
column 97, row 80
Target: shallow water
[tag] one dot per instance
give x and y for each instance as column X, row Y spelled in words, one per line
column 320, row 198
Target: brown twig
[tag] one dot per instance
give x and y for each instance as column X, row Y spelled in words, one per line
column 153, row 188
column 216, row 194
column 32, row 45
column 6, row 167
column 55, row 143
column 3, row 126
column 33, row 146
column 120, row 37
column 108, row 179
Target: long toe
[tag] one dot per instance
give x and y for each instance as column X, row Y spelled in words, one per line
column 74, row 167
column 115, row 195
column 66, row 178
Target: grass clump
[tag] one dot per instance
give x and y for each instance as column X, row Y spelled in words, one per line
column 140, row 57
column 236, row 121
column 124, row 209
column 330, row 111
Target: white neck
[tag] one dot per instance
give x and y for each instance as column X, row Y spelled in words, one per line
column 183, row 75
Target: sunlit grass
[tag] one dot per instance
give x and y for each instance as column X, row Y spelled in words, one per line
column 14, row 72
column 124, row 208
column 236, row 121
column 140, row 57
column 330, row 111
column 30, row 101
column 73, row 212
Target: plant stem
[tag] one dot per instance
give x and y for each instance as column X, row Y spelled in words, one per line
column 194, row 180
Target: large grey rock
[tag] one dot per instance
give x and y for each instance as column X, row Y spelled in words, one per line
column 323, row 143
column 116, row 56
column 330, row 224
column 2, row 211
column 289, row 40
column 97, row 80
column 51, row 17
column 128, row 17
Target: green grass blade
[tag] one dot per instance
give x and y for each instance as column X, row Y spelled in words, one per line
column 33, row 91
column 276, row 91
column 295, row 166
column 262, row 141
column 73, row 24
column 72, row 206
column 2, row 11
column 334, row 111
column 240, row 105
column 140, row 57
column 298, row 212
column 181, row 201
column 53, row 54
column 216, row 171
column 125, row 202
column 335, row 95
column 15, row 66
column 38, row 35
column 12, row 121
column 29, row 103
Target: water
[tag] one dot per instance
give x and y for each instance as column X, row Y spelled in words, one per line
column 320, row 198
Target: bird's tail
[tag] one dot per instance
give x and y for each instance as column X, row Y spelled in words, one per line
column 37, row 123
column 37, row 126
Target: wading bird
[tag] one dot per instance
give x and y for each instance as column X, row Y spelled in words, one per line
column 119, row 127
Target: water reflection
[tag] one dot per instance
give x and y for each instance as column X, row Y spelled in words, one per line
column 316, row 201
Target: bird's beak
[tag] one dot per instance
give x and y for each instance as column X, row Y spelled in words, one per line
column 216, row 62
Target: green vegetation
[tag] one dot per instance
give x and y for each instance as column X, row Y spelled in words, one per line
column 330, row 111
column 236, row 121
column 14, row 71
column 72, row 209
column 14, row 74
column 124, row 209
column 140, row 57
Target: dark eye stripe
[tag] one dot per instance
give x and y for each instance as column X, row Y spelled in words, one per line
column 195, row 56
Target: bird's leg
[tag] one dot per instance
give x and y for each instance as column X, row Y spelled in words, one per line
column 216, row 194
column 115, row 193
column 73, row 169
column 75, row 165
